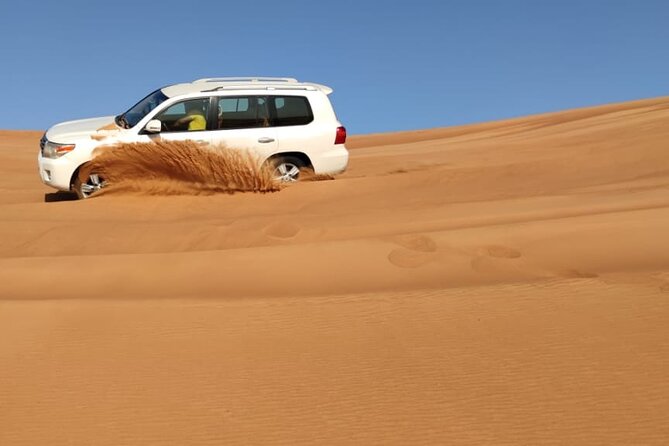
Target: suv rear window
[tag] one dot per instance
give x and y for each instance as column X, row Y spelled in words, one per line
column 242, row 112
column 292, row 110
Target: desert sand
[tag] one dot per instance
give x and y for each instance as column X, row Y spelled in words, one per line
column 501, row 283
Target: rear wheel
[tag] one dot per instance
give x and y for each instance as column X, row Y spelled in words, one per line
column 287, row 169
column 87, row 183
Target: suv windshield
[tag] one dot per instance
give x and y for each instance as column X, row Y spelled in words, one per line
column 142, row 108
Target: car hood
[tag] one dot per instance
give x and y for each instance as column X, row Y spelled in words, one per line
column 69, row 132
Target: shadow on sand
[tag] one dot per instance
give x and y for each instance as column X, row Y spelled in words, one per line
column 59, row 196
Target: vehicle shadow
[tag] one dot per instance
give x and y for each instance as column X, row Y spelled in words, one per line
column 59, row 196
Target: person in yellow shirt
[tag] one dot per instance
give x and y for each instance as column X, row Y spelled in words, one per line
column 194, row 117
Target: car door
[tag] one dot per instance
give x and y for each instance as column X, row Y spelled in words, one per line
column 185, row 120
column 243, row 123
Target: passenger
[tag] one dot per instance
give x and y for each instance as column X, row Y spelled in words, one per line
column 194, row 117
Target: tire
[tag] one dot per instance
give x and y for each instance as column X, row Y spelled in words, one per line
column 287, row 169
column 87, row 183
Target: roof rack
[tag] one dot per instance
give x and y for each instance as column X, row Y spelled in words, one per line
column 246, row 79
column 264, row 87
column 258, row 83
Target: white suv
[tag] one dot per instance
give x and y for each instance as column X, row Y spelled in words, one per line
column 286, row 123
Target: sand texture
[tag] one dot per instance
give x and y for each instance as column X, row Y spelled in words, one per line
column 504, row 283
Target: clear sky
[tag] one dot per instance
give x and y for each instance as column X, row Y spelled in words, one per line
column 394, row 65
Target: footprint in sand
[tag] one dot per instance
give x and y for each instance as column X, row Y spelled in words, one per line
column 500, row 252
column 282, row 230
column 578, row 274
column 415, row 251
column 487, row 259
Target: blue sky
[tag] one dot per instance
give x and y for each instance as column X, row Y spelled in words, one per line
column 394, row 65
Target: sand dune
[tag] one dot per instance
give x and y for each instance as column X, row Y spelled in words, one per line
column 500, row 283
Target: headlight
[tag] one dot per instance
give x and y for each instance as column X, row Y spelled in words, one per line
column 55, row 150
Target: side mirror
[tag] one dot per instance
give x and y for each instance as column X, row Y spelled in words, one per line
column 153, row 126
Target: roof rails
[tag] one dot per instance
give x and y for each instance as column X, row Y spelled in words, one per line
column 246, row 79
column 264, row 87
column 254, row 83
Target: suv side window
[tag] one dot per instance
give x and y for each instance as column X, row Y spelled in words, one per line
column 185, row 116
column 242, row 112
column 292, row 110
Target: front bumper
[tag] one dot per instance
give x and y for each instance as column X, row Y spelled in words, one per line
column 57, row 172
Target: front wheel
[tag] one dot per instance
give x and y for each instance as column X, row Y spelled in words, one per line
column 287, row 169
column 87, row 184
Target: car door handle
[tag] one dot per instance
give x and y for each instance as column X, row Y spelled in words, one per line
column 265, row 140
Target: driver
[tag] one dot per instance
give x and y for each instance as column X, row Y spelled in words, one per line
column 194, row 117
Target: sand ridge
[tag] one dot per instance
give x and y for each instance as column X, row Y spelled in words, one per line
column 501, row 283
